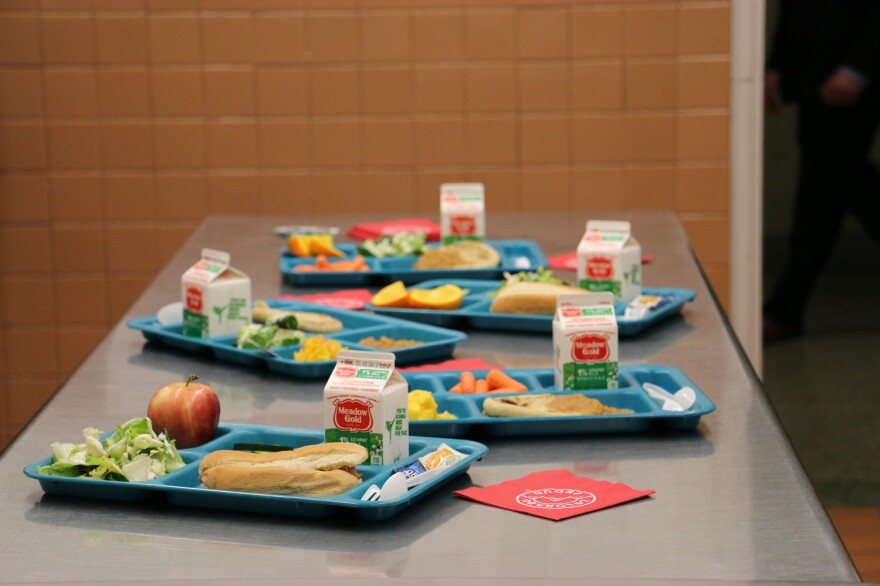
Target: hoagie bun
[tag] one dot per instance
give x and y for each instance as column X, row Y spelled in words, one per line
column 317, row 470
column 530, row 298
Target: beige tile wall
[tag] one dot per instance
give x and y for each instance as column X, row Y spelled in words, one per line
column 124, row 122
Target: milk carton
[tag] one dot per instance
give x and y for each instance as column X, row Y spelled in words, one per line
column 585, row 342
column 610, row 259
column 365, row 402
column 462, row 212
column 216, row 297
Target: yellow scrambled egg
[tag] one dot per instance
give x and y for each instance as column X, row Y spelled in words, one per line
column 423, row 406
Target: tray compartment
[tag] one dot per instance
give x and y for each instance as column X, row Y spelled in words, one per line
column 396, row 263
column 172, row 336
column 112, row 490
column 464, row 409
column 401, row 330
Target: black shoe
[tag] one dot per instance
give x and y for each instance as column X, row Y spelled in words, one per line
column 775, row 330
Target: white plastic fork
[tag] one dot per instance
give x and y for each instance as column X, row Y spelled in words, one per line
column 372, row 494
column 682, row 400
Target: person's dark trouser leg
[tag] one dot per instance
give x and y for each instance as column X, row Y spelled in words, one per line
column 865, row 196
column 818, row 214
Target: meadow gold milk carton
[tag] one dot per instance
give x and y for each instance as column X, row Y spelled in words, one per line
column 462, row 212
column 610, row 259
column 365, row 402
column 216, row 297
column 585, row 342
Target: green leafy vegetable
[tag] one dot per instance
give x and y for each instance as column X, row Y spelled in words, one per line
column 254, row 337
column 542, row 275
column 400, row 244
column 132, row 453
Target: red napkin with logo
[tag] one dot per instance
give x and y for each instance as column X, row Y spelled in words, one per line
column 460, row 364
column 372, row 230
column 554, row 494
column 347, row 299
column 569, row 262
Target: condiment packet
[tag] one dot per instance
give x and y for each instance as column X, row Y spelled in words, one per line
column 554, row 494
column 641, row 306
column 375, row 229
column 568, row 262
column 346, row 299
column 457, row 364
column 430, row 465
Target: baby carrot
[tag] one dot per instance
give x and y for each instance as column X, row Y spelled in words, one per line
column 321, row 262
column 468, row 382
column 481, row 386
column 497, row 379
column 456, row 388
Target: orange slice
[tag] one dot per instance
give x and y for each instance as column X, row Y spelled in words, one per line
column 442, row 297
column 300, row 245
column 393, row 295
column 323, row 244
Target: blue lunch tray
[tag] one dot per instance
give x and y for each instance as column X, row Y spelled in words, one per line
column 474, row 311
column 469, row 408
column 182, row 487
column 516, row 255
column 439, row 342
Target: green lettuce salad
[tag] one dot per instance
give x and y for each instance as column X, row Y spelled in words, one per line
column 133, row 453
column 400, row 244
column 254, row 337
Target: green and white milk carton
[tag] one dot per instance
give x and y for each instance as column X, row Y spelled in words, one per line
column 216, row 297
column 610, row 259
column 365, row 402
column 585, row 342
column 462, row 212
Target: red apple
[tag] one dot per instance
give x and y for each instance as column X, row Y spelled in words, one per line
column 188, row 411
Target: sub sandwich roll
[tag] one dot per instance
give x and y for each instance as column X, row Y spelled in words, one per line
column 319, row 470
column 530, row 298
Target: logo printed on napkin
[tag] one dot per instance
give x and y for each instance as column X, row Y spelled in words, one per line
column 554, row 494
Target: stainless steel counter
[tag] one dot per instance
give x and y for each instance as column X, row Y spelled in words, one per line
column 732, row 503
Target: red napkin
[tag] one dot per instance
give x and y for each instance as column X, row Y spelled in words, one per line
column 347, row 299
column 564, row 262
column 460, row 364
column 374, row 229
column 554, row 494
column 568, row 262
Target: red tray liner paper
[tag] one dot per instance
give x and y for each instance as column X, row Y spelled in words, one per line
column 372, row 230
column 459, row 364
column 554, row 494
column 346, row 299
column 569, row 262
